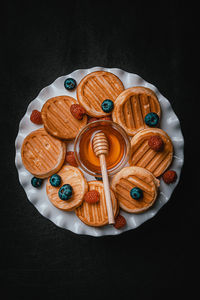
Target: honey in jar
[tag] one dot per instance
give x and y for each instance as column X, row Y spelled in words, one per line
column 118, row 147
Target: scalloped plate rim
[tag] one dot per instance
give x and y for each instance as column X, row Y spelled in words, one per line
column 83, row 229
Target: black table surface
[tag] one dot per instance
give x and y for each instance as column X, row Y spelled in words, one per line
column 41, row 43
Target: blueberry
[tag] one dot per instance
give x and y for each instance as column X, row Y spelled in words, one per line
column 65, row 192
column 136, row 193
column 55, row 180
column 98, row 178
column 36, row 182
column 151, row 119
column 107, row 105
column 70, row 84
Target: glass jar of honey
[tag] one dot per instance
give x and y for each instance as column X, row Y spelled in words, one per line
column 119, row 147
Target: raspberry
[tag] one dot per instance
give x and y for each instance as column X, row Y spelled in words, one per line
column 36, row 117
column 120, row 222
column 77, row 111
column 70, row 158
column 156, row 143
column 92, row 196
column 169, row 176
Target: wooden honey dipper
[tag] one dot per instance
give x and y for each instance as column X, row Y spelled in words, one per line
column 101, row 148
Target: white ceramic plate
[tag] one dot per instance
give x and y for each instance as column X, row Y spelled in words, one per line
column 69, row 220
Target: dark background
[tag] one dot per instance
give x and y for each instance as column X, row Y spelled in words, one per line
column 157, row 41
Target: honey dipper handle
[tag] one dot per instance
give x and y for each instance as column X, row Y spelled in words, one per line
column 111, row 219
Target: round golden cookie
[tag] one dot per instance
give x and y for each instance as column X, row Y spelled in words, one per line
column 42, row 154
column 95, row 214
column 97, row 87
column 131, row 107
column 143, row 156
column 58, row 120
column 131, row 177
column 74, row 177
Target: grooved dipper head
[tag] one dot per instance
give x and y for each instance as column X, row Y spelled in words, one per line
column 100, row 144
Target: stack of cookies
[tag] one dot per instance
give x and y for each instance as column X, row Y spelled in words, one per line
column 100, row 95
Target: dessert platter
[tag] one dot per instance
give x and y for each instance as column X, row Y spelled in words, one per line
column 59, row 162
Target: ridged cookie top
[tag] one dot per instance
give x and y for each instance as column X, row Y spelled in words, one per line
column 58, row 120
column 131, row 107
column 42, row 154
column 74, row 177
column 143, row 156
column 131, row 177
column 97, row 87
column 95, row 214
